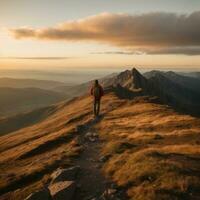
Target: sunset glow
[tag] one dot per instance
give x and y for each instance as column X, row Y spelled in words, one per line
column 104, row 34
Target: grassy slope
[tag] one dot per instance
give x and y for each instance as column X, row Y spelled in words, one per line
column 154, row 152
column 30, row 154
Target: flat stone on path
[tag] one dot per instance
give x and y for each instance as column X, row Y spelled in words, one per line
column 68, row 174
column 63, row 190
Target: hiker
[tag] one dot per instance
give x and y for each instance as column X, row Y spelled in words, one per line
column 97, row 92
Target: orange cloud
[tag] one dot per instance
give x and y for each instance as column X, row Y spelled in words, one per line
column 155, row 33
column 172, row 50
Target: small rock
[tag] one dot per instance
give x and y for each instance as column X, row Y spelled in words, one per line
column 89, row 134
column 68, row 174
column 111, row 191
column 104, row 158
column 62, row 190
column 91, row 160
column 95, row 135
column 92, row 139
column 43, row 194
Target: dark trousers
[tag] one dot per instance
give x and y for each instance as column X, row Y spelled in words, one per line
column 96, row 107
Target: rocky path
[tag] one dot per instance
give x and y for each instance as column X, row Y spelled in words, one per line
column 92, row 185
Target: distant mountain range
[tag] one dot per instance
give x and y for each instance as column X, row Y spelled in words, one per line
column 17, row 100
column 23, row 95
column 191, row 74
column 84, row 88
column 188, row 82
column 180, row 90
column 26, row 83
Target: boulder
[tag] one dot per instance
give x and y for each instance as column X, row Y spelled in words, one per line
column 63, row 190
column 68, row 174
column 43, row 194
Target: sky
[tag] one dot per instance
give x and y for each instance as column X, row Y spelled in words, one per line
column 52, row 34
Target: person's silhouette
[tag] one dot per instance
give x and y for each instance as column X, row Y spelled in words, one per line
column 97, row 92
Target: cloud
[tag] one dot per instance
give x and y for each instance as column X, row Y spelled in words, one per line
column 136, row 52
column 150, row 31
column 193, row 51
column 35, row 58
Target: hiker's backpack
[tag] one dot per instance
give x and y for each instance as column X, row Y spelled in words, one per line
column 97, row 92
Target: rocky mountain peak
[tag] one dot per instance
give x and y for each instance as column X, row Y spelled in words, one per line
column 135, row 71
column 131, row 80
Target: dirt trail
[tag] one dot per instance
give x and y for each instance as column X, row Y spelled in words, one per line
column 92, row 185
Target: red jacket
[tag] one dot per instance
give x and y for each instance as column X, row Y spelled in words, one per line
column 101, row 92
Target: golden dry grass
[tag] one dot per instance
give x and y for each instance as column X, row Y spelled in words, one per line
column 30, row 153
column 154, row 152
column 33, row 152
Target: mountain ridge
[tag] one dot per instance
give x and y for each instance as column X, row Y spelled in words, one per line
column 176, row 93
column 144, row 147
column 127, row 128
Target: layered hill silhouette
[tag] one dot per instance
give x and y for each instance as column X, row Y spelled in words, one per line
column 150, row 151
column 17, row 100
column 29, row 83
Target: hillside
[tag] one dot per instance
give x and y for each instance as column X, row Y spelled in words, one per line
column 182, row 93
column 151, row 151
column 191, row 74
column 18, row 100
column 81, row 89
column 190, row 83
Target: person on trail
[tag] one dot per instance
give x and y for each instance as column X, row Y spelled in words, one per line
column 97, row 92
